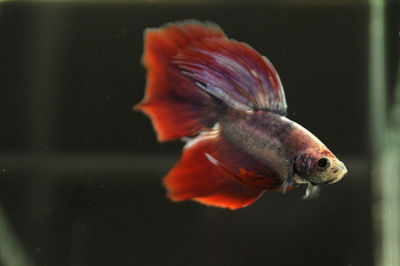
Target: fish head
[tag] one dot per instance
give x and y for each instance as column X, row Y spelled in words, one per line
column 319, row 167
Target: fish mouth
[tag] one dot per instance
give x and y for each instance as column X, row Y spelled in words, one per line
column 339, row 171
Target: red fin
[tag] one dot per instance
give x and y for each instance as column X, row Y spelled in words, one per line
column 176, row 105
column 235, row 73
column 197, row 177
column 245, row 177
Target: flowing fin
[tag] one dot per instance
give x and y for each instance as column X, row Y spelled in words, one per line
column 235, row 73
column 176, row 105
column 247, row 178
column 221, row 182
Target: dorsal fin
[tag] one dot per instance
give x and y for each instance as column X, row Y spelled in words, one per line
column 235, row 73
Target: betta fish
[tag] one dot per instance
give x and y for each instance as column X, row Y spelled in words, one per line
column 226, row 101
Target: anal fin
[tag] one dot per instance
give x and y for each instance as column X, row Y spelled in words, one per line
column 233, row 180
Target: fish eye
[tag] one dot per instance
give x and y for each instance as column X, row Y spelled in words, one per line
column 323, row 163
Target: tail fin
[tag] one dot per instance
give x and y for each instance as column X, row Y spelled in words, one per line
column 174, row 102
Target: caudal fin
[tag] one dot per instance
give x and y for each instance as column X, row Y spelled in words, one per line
column 174, row 102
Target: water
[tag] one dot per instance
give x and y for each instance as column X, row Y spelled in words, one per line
column 81, row 173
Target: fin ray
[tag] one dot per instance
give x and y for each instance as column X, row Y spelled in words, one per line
column 176, row 105
column 196, row 176
column 235, row 73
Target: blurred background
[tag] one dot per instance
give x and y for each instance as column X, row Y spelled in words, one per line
column 80, row 172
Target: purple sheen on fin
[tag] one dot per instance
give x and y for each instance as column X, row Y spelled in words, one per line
column 249, row 179
column 238, row 105
column 195, row 177
column 234, row 161
column 216, row 84
column 235, row 73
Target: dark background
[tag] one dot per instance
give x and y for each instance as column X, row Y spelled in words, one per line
column 81, row 172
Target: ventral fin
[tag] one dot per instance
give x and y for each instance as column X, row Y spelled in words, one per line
column 247, row 178
column 235, row 73
column 209, row 172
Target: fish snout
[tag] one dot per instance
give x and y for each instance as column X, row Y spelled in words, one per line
column 338, row 172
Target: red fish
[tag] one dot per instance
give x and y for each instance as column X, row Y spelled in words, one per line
column 228, row 103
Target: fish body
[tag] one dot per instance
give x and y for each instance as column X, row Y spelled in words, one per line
column 229, row 102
